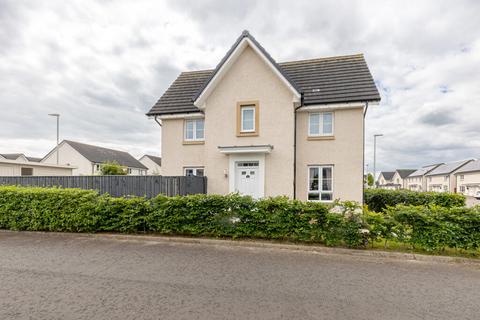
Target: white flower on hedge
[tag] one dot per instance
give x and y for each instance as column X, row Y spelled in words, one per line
column 394, row 235
column 364, row 231
column 234, row 220
column 337, row 209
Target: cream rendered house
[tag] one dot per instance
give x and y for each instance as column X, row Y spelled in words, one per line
column 399, row 177
column 88, row 159
column 442, row 178
column 153, row 163
column 468, row 179
column 17, row 164
column 262, row 128
column 416, row 181
column 385, row 180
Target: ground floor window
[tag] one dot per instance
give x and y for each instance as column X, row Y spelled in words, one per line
column 194, row 171
column 320, row 183
column 27, row 171
column 462, row 188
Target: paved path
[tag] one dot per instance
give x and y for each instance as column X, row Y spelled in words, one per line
column 53, row 276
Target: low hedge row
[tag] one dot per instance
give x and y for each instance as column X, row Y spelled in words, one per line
column 379, row 199
column 74, row 210
column 431, row 228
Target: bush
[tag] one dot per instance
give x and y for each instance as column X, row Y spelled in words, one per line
column 112, row 169
column 430, row 228
column 74, row 210
column 379, row 199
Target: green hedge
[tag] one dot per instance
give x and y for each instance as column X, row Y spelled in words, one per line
column 379, row 199
column 427, row 227
column 74, row 210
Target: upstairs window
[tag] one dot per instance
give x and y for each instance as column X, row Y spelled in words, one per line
column 194, row 130
column 320, row 124
column 320, row 183
column 247, row 118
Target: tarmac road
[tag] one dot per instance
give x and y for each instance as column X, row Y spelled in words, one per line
column 66, row 276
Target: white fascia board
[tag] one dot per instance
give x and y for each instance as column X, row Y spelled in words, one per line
column 332, row 106
column 200, row 101
column 192, row 115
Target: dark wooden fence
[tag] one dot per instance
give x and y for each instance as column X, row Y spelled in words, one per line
column 117, row 186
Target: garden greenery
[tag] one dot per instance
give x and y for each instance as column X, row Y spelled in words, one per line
column 75, row 210
column 379, row 199
column 429, row 227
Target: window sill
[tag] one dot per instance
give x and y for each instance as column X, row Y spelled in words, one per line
column 185, row 142
column 247, row 134
column 312, row 138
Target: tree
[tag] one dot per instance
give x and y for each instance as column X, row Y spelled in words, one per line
column 370, row 180
column 112, row 169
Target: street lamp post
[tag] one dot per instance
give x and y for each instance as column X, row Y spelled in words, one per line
column 57, row 115
column 375, row 157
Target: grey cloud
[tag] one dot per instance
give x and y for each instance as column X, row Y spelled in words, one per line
column 438, row 118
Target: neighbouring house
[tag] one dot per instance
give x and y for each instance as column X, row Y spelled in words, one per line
column 399, row 176
column 263, row 128
column 153, row 163
column 88, row 159
column 468, row 178
column 385, row 181
column 32, row 168
column 416, row 181
column 442, row 178
column 19, row 157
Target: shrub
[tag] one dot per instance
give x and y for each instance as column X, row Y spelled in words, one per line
column 379, row 199
column 74, row 210
column 112, row 169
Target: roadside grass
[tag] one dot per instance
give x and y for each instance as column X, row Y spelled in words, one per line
column 396, row 246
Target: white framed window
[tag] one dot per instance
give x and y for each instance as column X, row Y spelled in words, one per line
column 247, row 114
column 129, row 170
column 462, row 177
column 320, row 183
column 194, row 130
column 194, row 171
column 445, row 178
column 320, row 124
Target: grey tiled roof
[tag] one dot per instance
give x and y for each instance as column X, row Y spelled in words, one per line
column 403, row 173
column 424, row 170
column 11, row 156
column 97, row 154
column 388, row 175
column 157, row 160
column 470, row 167
column 322, row 81
column 34, row 159
column 447, row 168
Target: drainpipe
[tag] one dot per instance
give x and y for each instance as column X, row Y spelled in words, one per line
column 295, row 147
column 159, row 123
column 363, row 166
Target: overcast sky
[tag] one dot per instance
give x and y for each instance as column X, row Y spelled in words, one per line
column 103, row 64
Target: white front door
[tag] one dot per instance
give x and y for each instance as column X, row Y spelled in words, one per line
column 247, row 181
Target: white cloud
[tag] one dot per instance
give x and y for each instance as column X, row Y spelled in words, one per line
column 102, row 64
